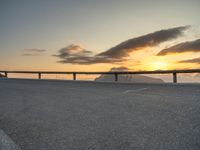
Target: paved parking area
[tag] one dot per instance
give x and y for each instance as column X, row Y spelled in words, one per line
column 73, row 115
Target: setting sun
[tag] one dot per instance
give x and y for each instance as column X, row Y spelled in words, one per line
column 158, row 65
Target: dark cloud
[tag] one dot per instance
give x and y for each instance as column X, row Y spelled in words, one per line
column 189, row 46
column 87, row 60
column 121, row 68
column 148, row 40
column 195, row 61
column 73, row 51
column 33, row 52
column 75, row 54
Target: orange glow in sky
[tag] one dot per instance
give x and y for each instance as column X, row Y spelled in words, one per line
column 158, row 65
column 29, row 39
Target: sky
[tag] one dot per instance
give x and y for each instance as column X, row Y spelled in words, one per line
column 97, row 35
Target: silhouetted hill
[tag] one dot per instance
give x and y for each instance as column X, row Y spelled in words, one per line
column 129, row 79
column 1, row 75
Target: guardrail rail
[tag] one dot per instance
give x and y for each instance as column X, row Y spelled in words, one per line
column 116, row 73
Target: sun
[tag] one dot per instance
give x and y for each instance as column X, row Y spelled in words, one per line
column 158, row 65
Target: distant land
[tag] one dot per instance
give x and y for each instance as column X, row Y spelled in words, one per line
column 1, row 75
column 128, row 78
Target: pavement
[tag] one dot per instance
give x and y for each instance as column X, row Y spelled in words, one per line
column 78, row 115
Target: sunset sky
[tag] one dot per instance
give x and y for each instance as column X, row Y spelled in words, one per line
column 97, row 35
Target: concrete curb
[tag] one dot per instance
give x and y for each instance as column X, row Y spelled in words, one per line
column 6, row 143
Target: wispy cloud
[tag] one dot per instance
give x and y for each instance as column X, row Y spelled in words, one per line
column 29, row 54
column 33, row 52
column 195, row 61
column 75, row 54
column 189, row 46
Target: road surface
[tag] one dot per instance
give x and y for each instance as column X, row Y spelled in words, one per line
column 75, row 115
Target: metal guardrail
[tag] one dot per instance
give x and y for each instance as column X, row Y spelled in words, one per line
column 116, row 73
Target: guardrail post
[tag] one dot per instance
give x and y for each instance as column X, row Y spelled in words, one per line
column 175, row 77
column 74, row 76
column 6, row 74
column 116, row 77
column 39, row 75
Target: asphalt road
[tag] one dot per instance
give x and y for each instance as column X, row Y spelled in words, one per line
column 72, row 115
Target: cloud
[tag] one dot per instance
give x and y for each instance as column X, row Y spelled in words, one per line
column 189, row 46
column 29, row 54
column 75, row 54
column 195, row 60
column 87, row 60
column 73, row 51
column 148, row 40
column 33, row 52
column 121, row 68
